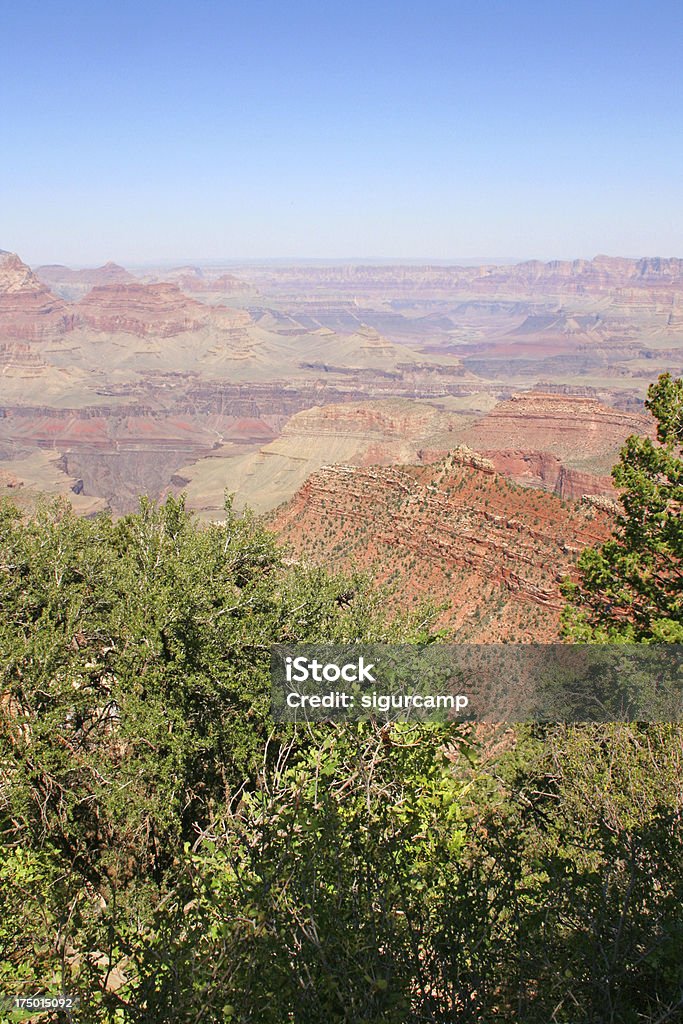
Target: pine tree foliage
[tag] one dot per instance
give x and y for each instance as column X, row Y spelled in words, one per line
column 631, row 588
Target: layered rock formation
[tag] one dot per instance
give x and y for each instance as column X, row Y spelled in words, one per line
column 454, row 531
column 29, row 311
column 20, row 360
column 564, row 443
column 161, row 310
column 150, row 384
column 574, row 426
column 121, row 452
column 599, row 277
column 194, row 281
column 541, row 469
column 108, row 273
column 356, row 433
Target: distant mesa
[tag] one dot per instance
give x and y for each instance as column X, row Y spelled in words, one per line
column 559, row 323
column 140, row 309
column 74, row 284
column 195, row 281
column 563, row 443
column 175, row 274
column 105, row 299
column 226, row 284
column 602, row 276
column 109, row 273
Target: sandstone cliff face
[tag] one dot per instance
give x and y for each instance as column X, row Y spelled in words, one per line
column 398, row 421
column 28, row 310
column 563, row 443
column 575, row 419
column 455, row 531
column 542, row 469
column 161, row 310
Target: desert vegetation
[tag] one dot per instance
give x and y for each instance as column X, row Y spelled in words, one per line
column 169, row 855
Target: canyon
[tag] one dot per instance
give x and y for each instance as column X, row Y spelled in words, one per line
column 564, row 444
column 449, row 429
column 248, row 378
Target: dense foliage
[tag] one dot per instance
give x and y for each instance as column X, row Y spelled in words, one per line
column 167, row 855
column 631, row 588
column 134, row 695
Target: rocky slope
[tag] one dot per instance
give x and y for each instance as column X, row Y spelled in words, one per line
column 564, row 443
column 26, row 479
column 454, row 531
column 29, row 311
column 354, row 433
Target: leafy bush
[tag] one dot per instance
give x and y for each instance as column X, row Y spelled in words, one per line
column 169, row 856
column 134, row 689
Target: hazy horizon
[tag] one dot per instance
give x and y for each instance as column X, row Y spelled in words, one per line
column 303, row 261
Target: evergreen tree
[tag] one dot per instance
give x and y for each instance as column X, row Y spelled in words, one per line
column 631, row 588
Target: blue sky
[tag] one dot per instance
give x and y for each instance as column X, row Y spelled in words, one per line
column 151, row 130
